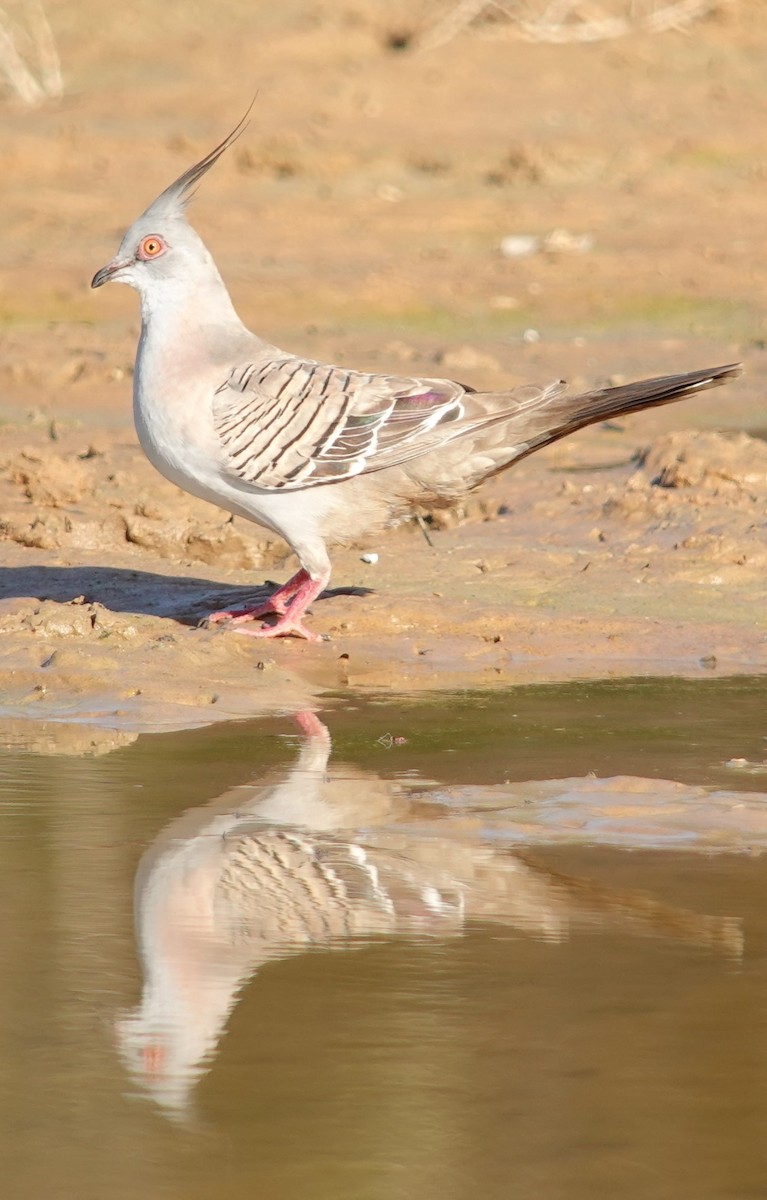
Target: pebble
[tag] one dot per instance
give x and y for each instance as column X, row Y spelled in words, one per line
column 559, row 241
column 520, row 245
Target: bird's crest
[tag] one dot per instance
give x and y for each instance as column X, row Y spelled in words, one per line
column 175, row 198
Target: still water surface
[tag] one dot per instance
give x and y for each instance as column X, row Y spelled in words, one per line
column 276, row 961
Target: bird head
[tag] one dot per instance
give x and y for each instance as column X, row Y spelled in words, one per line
column 160, row 243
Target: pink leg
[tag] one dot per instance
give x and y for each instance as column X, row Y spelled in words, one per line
column 277, row 603
column 290, row 623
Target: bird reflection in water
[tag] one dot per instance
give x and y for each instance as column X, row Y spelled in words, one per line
column 321, row 858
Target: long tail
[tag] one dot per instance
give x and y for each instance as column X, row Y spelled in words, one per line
column 646, row 393
column 565, row 414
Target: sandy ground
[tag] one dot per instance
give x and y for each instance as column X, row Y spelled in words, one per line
column 360, row 219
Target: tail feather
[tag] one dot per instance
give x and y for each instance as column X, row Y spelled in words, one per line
column 501, row 428
column 569, row 413
column 646, row 393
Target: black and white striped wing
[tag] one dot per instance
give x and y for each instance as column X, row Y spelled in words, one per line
column 291, row 423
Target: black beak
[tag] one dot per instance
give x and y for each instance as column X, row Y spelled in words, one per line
column 106, row 273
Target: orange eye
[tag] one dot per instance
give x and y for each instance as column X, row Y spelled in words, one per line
column 151, row 246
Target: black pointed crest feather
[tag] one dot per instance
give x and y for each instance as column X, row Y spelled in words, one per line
column 176, row 197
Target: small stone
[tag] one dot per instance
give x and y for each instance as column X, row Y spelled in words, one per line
column 561, row 241
column 520, row 245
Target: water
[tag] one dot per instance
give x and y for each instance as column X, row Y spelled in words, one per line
column 239, row 963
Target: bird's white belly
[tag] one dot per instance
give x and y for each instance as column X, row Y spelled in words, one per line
column 174, row 443
column 182, row 445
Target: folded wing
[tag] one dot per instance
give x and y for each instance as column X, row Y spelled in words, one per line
column 289, row 423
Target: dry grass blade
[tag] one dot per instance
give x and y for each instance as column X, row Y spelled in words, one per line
column 563, row 21
column 592, row 23
column 453, row 23
column 33, row 72
column 47, row 54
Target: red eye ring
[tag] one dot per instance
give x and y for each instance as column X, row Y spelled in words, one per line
column 151, row 247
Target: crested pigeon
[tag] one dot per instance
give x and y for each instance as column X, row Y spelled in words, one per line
column 318, row 454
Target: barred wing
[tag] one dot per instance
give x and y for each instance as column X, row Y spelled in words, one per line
column 289, row 423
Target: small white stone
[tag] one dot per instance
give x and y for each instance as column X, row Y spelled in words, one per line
column 530, row 336
column 520, row 245
column 369, row 557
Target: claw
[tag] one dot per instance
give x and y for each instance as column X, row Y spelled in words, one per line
column 278, row 603
column 236, row 616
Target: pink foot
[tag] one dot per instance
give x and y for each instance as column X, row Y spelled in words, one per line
column 277, row 603
column 236, row 615
column 287, row 626
column 303, row 590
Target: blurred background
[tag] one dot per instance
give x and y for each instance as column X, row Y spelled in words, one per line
column 506, row 190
